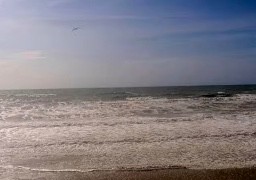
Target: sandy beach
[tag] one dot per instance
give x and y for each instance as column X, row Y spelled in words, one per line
column 177, row 174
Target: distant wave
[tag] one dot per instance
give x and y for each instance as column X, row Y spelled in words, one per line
column 34, row 95
column 218, row 94
column 120, row 93
column 145, row 98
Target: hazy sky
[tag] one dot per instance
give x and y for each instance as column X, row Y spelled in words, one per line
column 126, row 43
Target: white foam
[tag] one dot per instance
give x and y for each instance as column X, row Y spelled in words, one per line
column 34, row 95
column 191, row 132
column 44, row 170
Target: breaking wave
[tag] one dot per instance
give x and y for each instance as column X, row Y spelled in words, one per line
column 146, row 168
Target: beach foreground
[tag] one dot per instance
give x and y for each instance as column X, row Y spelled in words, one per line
column 177, row 174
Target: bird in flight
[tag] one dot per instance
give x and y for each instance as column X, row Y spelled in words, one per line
column 75, row 29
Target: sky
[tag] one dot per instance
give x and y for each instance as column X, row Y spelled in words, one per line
column 123, row 43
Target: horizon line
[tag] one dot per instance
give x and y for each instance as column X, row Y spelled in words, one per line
column 123, row 87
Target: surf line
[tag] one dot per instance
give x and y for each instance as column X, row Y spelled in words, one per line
column 149, row 168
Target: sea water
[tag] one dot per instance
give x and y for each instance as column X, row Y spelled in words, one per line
column 83, row 130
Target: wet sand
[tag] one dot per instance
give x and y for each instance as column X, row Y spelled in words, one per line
column 177, row 174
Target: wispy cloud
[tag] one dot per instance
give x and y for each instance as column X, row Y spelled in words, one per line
column 54, row 3
column 23, row 55
column 32, row 55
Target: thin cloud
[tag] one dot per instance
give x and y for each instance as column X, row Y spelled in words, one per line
column 23, row 55
column 54, row 3
column 32, row 55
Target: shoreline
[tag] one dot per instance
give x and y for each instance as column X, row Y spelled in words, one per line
column 151, row 174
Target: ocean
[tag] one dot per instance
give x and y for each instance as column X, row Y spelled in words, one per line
column 85, row 130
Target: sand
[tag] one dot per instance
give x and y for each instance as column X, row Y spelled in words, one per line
column 177, row 174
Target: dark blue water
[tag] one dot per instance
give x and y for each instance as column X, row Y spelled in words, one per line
column 123, row 93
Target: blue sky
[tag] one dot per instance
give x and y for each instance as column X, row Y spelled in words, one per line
column 126, row 43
